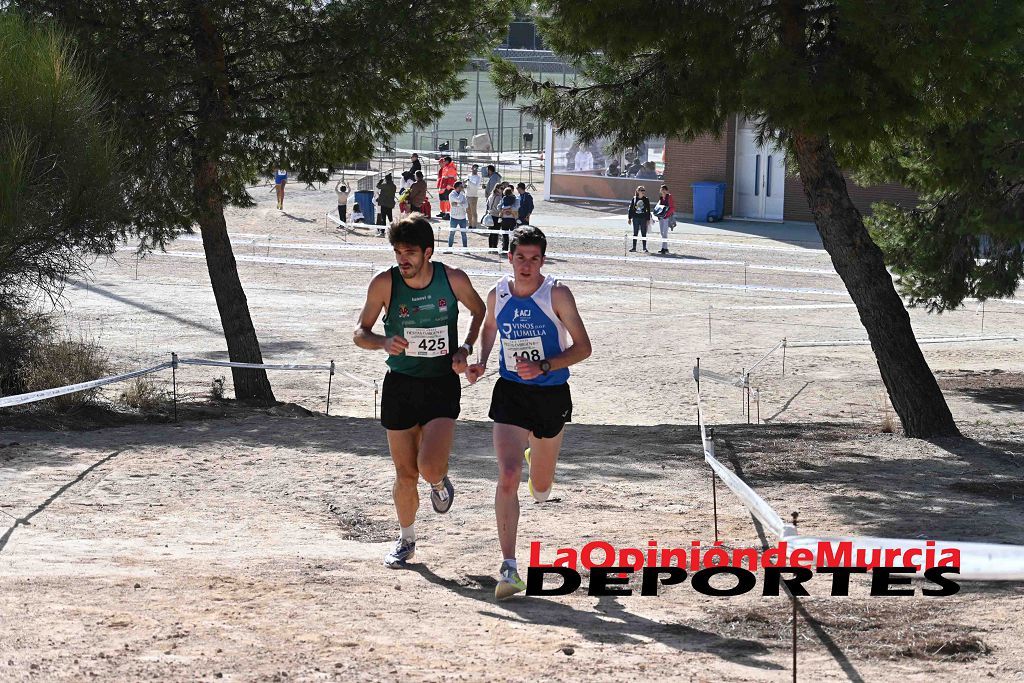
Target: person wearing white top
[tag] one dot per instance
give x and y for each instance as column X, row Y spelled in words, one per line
column 584, row 160
column 473, row 186
column 457, row 214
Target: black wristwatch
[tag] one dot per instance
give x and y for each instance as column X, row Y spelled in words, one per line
column 469, row 349
column 545, row 366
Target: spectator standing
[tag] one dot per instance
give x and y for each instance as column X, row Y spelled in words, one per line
column 525, row 204
column 639, row 215
column 417, row 193
column 447, row 174
column 342, row 191
column 473, row 186
column 415, row 165
column 386, row 199
column 665, row 211
column 493, row 219
column 509, row 214
column 584, row 160
column 493, row 178
column 458, row 214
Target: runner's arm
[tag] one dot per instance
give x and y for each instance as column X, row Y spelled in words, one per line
column 565, row 308
column 467, row 296
column 487, row 339
column 377, row 296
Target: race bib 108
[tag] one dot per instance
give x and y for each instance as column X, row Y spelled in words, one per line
column 527, row 348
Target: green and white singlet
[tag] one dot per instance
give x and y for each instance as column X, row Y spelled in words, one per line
column 428, row 319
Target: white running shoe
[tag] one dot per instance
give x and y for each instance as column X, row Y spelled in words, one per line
column 402, row 553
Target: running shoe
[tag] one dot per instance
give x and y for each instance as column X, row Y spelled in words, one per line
column 442, row 500
column 509, row 583
column 402, row 553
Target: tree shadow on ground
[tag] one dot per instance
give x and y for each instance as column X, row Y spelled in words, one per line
column 622, row 628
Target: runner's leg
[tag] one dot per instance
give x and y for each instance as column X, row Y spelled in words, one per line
column 509, row 443
column 543, row 458
column 434, row 448
column 405, row 445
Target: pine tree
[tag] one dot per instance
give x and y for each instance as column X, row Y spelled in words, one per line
column 826, row 79
column 213, row 93
column 61, row 199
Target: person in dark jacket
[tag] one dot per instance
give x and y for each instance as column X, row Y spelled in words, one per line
column 525, row 204
column 417, row 193
column 415, row 166
column 386, row 199
column 639, row 215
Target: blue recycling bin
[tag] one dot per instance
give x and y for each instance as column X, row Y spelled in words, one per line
column 708, row 201
column 364, row 198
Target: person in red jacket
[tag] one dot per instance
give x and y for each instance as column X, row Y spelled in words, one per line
column 665, row 211
column 447, row 174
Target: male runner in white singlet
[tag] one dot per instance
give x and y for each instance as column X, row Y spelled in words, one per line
column 535, row 317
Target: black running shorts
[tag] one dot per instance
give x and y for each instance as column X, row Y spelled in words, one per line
column 407, row 401
column 541, row 410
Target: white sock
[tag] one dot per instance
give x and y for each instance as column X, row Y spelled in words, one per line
column 512, row 563
column 409, row 533
column 540, row 496
column 439, row 485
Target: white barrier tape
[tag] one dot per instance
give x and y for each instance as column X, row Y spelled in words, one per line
column 357, row 379
column 20, row 399
column 978, row 561
column 252, row 366
column 731, row 380
column 279, row 260
column 328, row 263
column 765, row 356
column 921, row 340
column 752, row 288
column 764, row 512
column 768, row 517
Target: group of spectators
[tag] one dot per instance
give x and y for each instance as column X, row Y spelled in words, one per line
column 641, row 214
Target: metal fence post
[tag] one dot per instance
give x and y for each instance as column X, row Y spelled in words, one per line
column 174, row 382
column 329, row 378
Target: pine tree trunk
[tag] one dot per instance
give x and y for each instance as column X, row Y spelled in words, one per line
column 915, row 394
column 213, row 102
column 243, row 346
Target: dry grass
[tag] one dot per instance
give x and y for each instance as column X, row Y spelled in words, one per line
column 63, row 362
column 143, row 395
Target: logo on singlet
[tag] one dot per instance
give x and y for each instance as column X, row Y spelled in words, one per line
column 521, row 313
column 442, row 305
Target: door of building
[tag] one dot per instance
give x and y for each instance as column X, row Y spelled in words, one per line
column 759, row 185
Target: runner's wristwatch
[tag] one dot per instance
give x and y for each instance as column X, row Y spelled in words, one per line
column 469, row 349
column 545, row 366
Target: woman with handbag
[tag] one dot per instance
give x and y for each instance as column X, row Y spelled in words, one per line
column 639, row 215
column 665, row 211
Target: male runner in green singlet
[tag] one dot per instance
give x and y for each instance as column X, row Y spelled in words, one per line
column 420, row 398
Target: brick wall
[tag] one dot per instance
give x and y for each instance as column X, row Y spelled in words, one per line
column 710, row 158
column 796, row 208
column 706, row 158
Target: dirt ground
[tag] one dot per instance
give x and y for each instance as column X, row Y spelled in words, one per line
column 246, row 544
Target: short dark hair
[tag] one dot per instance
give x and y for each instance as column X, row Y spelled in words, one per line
column 414, row 230
column 665, row 187
column 419, row 175
column 458, row 183
column 490, row 167
column 521, row 186
column 447, row 158
column 508, row 190
column 527, row 234
column 416, row 155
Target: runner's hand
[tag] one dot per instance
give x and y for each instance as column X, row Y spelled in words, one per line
column 395, row 345
column 475, row 372
column 459, row 361
column 527, row 369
